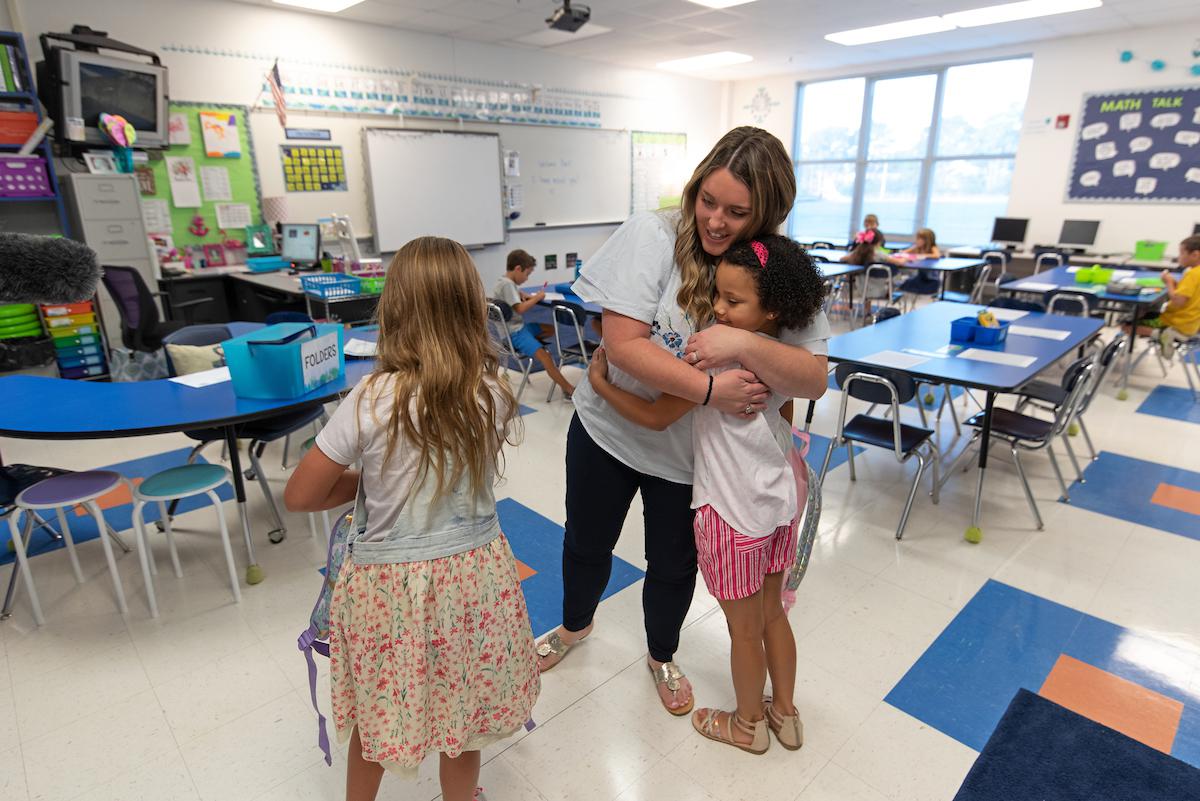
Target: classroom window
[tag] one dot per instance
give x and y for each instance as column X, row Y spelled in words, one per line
column 930, row 149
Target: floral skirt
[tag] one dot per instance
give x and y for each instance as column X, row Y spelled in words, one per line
column 431, row 656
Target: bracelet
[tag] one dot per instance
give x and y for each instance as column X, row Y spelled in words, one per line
column 708, row 395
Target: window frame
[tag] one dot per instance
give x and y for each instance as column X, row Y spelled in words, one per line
column 927, row 162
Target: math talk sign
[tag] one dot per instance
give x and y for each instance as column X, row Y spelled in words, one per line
column 1138, row 146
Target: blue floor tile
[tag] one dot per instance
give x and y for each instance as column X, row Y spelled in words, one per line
column 1121, row 487
column 816, row 452
column 1173, row 403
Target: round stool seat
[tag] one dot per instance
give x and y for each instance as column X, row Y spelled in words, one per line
column 71, row 488
column 178, row 482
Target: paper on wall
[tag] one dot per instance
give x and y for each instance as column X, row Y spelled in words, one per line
column 215, row 182
column 997, row 357
column 185, row 188
column 156, row 216
column 893, row 358
column 220, row 135
column 512, row 164
column 233, row 215
column 178, row 132
column 1043, row 333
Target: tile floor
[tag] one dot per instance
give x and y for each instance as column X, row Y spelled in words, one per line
column 210, row 700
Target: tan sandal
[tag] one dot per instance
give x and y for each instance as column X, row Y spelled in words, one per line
column 789, row 729
column 708, row 723
column 553, row 645
column 668, row 673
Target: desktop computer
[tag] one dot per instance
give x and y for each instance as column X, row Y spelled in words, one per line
column 301, row 245
column 1009, row 232
column 1078, row 235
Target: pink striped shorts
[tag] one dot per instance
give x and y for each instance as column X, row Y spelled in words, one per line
column 734, row 565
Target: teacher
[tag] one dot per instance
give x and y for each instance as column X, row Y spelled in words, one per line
column 654, row 280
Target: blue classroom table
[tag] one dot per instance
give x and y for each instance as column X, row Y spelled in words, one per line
column 924, row 331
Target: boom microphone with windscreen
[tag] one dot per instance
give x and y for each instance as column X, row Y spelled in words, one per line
column 46, row 269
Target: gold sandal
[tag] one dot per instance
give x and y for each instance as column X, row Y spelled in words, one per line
column 789, row 729
column 669, row 674
column 707, row 722
column 553, row 645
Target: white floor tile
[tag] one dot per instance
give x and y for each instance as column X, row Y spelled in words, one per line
column 835, row 783
column 12, row 775
column 165, row 778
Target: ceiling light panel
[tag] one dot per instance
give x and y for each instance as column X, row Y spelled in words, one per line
column 890, row 31
column 708, row 61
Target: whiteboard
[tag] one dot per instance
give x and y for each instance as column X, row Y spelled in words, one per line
column 569, row 176
column 434, row 183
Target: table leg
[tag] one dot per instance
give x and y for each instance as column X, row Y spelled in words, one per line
column 942, row 291
column 1123, row 392
column 975, row 533
column 254, row 573
column 850, row 297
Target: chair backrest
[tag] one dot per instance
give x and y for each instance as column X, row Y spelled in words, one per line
column 1104, row 363
column 497, row 324
column 818, row 258
column 205, row 334
column 826, row 245
column 1064, row 301
column 980, row 282
column 1076, row 381
column 886, row 313
column 1047, row 261
column 876, row 385
column 570, row 315
column 1005, row 302
column 134, row 303
column 884, row 273
column 287, row 317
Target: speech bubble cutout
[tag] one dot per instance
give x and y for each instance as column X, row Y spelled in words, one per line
column 1095, row 130
column 1145, row 186
column 1140, row 143
column 1165, row 120
column 1192, row 176
column 1090, row 178
column 1106, row 150
column 1188, row 138
column 1130, row 121
column 1196, row 115
column 1164, row 161
column 1124, row 168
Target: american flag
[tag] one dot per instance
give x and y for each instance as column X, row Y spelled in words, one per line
column 277, row 93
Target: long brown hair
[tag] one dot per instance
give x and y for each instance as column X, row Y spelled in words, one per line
column 757, row 159
column 930, row 238
column 434, row 344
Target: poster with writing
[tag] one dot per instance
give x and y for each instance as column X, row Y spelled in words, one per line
column 220, row 133
column 185, row 187
column 313, row 168
column 659, row 170
column 1141, row 146
column 177, row 129
column 215, row 182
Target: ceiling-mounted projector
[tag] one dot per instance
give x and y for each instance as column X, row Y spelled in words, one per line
column 569, row 19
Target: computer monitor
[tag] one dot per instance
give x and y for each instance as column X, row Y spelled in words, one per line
column 1078, row 232
column 1009, row 230
column 301, row 243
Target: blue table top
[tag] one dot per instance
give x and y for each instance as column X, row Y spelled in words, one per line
column 57, row 408
column 928, row 328
column 564, row 289
column 834, row 269
column 1063, row 279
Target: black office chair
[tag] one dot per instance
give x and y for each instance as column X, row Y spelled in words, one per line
column 877, row 385
column 141, row 327
column 259, row 432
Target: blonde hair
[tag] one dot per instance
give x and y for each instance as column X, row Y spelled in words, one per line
column 449, row 401
column 870, row 218
column 757, row 159
column 929, row 237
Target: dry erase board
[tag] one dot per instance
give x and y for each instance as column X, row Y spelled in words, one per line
column 1138, row 146
column 433, row 183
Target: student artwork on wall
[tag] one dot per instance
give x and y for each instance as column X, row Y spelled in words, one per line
column 313, row 168
column 1141, row 146
column 220, row 132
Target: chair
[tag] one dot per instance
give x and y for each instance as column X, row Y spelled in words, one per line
column 276, row 317
column 174, row 484
column 825, row 245
column 1047, row 261
column 1064, row 301
column 499, row 313
column 877, row 385
column 1006, row 302
column 61, row 493
column 1188, row 352
column 924, row 284
column 141, row 327
column 1023, row 432
column 259, row 432
column 571, row 315
column 1045, row 394
column 976, row 293
column 880, row 272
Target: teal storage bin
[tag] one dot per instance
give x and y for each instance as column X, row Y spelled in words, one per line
column 286, row 360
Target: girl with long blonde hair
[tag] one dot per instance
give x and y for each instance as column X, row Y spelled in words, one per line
column 654, row 280
column 430, row 645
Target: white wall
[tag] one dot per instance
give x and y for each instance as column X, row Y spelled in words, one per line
column 643, row 100
column 1063, row 70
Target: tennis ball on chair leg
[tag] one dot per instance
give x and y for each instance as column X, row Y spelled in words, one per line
column 1123, row 395
column 1073, row 430
column 928, row 399
column 974, row 535
column 254, row 574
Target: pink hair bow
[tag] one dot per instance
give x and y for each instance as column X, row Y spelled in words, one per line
column 760, row 250
column 864, row 236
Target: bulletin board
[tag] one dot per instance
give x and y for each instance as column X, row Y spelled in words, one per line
column 1141, row 147
column 313, row 168
column 243, row 176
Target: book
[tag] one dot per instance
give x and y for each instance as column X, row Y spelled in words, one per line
column 14, row 62
column 6, row 69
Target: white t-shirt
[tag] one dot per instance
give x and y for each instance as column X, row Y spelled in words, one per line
column 359, row 432
column 634, row 274
column 742, row 469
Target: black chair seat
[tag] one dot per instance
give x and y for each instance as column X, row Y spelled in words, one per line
column 878, row 432
column 1014, row 425
column 268, row 430
column 1043, row 391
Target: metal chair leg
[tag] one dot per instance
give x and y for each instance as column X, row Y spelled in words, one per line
column 94, row 508
column 69, row 541
column 1066, row 496
column 143, row 552
column 825, row 462
column 277, row 534
column 22, row 566
column 225, row 545
column 1088, row 439
column 912, row 494
column 1025, row 486
column 935, row 458
column 850, row 459
column 1074, row 461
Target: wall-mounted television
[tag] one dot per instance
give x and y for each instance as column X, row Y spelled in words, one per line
column 78, row 85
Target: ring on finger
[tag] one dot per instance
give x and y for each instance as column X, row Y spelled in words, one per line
column 748, row 410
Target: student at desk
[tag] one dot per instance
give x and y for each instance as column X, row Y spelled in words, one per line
column 525, row 335
column 1180, row 318
column 865, row 250
column 925, row 282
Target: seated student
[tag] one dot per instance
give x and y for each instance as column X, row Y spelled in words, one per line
column 925, row 282
column 870, row 223
column 1180, row 319
column 525, row 335
column 865, row 250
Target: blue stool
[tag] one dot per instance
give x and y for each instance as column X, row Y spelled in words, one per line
column 171, row 485
column 60, row 493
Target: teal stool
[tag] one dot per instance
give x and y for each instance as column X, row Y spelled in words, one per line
column 175, row 484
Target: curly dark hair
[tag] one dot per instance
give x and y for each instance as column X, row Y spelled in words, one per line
column 789, row 284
